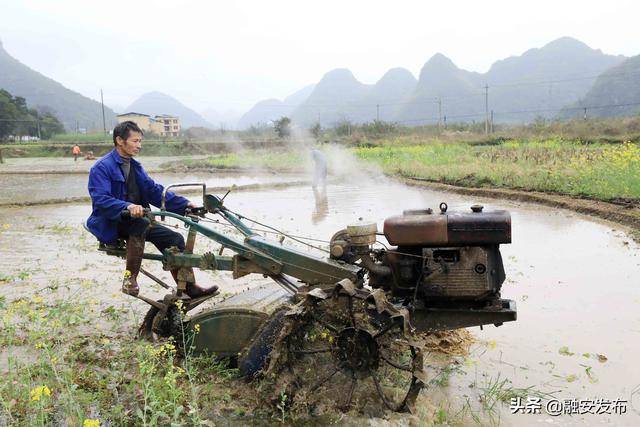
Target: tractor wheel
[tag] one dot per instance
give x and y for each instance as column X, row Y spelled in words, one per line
column 172, row 325
column 348, row 348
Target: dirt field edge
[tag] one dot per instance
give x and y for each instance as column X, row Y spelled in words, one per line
column 624, row 215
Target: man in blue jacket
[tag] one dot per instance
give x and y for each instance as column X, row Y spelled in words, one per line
column 117, row 183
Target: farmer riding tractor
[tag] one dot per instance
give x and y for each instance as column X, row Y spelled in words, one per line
column 353, row 318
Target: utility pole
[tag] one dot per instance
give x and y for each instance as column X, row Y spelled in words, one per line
column 104, row 123
column 486, row 109
column 491, row 127
column 377, row 112
column 439, row 114
column 38, row 125
column 445, row 121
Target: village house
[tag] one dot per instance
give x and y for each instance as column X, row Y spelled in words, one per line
column 162, row 125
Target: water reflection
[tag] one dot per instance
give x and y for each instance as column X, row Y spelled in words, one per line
column 321, row 208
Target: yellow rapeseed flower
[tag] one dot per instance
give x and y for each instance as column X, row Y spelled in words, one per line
column 36, row 393
column 91, row 423
column 196, row 327
column 5, row 226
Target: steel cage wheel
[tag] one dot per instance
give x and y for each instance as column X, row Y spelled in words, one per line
column 171, row 325
column 342, row 351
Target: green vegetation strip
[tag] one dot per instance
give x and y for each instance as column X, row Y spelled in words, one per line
column 62, row 369
column 248, row 159
column 602, row 171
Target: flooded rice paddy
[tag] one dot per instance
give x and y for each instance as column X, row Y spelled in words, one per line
column 47, row 180
column 576, row 282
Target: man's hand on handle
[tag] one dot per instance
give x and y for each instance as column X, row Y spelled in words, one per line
column 136, row 211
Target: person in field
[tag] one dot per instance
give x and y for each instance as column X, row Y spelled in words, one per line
column 76, row 152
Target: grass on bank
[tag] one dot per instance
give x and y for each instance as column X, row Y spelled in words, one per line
column 602, row 171
column 248, row 159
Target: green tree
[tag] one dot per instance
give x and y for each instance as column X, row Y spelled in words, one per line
column 8, row 114
column 316, row 130
column 282, row 127
column 343, row 127
column 50, row 125
column 17, row 119
column 379, row 128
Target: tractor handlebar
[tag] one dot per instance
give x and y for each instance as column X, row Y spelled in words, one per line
column 126, row 214
column 199, row 211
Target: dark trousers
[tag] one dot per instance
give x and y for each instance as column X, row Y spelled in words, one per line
column 160, row 236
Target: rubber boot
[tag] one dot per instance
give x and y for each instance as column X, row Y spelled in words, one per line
column 135, row 251
column 193, row 290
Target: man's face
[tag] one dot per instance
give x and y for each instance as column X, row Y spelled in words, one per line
column 131, row 147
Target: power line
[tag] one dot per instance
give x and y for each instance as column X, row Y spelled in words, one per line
column 544, row 110
column 451, row 99
column 604, row 74
column 417, row 100
column 516, row 83
column 18, row 120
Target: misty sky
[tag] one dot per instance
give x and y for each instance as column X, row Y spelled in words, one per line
column 230, row 54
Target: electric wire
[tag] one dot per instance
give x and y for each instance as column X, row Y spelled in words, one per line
column 258, row 230
column 277, row 230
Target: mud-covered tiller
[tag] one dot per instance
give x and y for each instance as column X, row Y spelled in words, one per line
column 355, row 317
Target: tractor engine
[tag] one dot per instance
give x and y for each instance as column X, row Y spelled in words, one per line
column 445, row 259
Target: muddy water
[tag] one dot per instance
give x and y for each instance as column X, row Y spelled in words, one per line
column 58, row 164
column 21, row 188
column 575, row 280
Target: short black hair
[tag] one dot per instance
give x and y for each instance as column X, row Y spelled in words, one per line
column 123, row 130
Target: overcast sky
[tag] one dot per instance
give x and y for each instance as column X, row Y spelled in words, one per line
column 230, row 54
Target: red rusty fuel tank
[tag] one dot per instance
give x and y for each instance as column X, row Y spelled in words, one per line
column 424, row 228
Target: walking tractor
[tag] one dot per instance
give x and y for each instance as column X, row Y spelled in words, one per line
column 351, row 320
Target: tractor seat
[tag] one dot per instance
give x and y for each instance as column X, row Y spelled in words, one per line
column 120, row 244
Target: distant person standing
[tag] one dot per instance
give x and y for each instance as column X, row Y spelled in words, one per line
column 320, row 168
column 76, row 152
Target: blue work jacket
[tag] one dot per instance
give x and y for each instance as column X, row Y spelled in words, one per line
column 108, row 190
